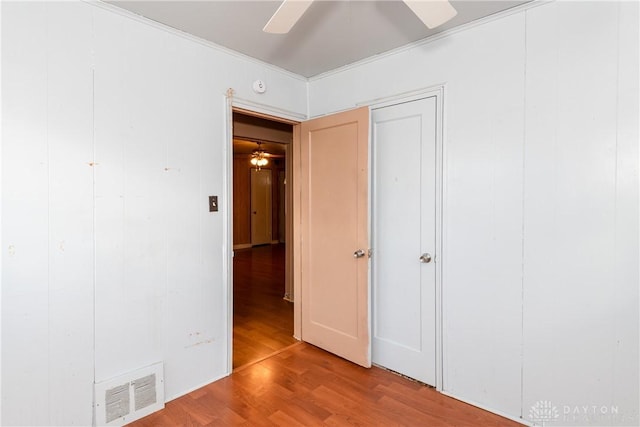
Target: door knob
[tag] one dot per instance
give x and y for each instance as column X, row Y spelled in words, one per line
column 425, row 258
column 359, row 253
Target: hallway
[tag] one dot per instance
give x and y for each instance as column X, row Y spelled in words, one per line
column 262, row 319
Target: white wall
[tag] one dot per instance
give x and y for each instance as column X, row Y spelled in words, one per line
column 581, row 212
column 111, row 267
column 47, row 274
column 540, row 247
column 484, row 72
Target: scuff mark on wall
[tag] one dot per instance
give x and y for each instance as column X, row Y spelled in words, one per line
column 196, row 335
column 209, row 341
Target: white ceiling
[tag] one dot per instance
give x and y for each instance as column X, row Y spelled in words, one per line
column 329, row 35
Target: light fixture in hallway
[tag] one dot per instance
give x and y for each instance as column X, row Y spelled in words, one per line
column 259, row 157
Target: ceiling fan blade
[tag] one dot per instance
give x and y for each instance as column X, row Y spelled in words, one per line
column 432, row 12
column 286, row 16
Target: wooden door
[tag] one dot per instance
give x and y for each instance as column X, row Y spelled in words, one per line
column 404, row 227
column 334, row 227
column 261, row 189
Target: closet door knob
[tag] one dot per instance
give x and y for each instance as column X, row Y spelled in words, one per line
column 425, row 258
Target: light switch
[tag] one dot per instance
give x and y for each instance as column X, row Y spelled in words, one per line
column 213, row 203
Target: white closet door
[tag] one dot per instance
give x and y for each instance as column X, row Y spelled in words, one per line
column 404, row 227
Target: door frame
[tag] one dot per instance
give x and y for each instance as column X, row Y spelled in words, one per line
column 438, row 92
column 232, row 104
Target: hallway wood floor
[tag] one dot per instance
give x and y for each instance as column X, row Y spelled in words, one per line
column 306, row 386
column 262, row 320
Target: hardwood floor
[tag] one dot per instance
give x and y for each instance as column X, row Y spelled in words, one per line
column 301, row 385
column 306, row 386
column 262, row 320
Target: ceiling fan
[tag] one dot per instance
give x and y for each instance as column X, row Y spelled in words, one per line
column 431, row 12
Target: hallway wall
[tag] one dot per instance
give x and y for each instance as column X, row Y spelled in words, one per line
column 242, row 200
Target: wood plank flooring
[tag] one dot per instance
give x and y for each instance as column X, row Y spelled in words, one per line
column 301, row 385
column 306, row 386
column 262, row 320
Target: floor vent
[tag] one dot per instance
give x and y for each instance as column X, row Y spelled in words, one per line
column 129, row 397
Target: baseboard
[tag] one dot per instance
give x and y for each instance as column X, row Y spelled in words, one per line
column 249, row 245
column 242, row 246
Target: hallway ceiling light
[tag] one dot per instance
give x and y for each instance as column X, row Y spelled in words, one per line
column 432, row 13
column 259, row 157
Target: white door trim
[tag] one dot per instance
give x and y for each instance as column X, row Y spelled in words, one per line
column 227, row 232
column 266, row 110
column 439, row 93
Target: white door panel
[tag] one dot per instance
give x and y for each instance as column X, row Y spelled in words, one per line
column 403, row 287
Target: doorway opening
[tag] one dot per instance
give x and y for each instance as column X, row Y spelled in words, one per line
column 262, row 295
